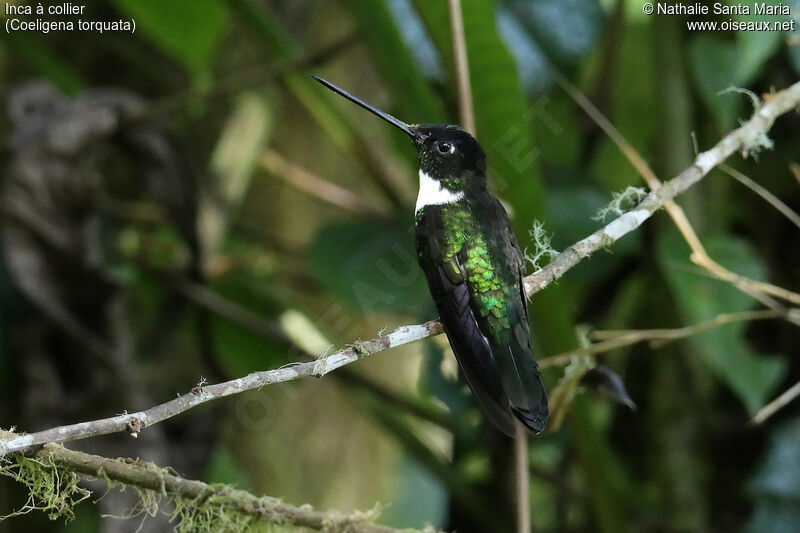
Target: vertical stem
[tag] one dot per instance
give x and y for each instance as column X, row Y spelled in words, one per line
column 523, row 480
column 466, row 115
column 679, row 471
column 467, row 118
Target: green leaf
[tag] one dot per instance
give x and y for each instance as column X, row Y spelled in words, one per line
column 566, row 30
column 713, row 63
column 753, row 377
column 240, row 350
column 41, row 59
column 755, row 48
column 224, row 469
column 187, row 30
column 532, row 63
column 418, row 496
column 432, row 381
column 234, row 157
column 776, row 484
column 778, row 476
column 572, row 206
column 416, row 101
column 417, row 40
column 344, row 129
column 632, row 110
column 718, row 64
column 370, row 266
column 794, row 56
column 436, row 19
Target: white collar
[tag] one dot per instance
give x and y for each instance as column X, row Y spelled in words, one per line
column 431, row 192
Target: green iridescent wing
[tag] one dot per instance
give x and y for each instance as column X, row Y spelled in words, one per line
column 474, row 275
column 449, row 289
column 493, row 268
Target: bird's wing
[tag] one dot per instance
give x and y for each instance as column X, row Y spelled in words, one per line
column 498, row 300
column 450, row 291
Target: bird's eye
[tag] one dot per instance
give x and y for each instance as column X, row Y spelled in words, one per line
column 445, row 147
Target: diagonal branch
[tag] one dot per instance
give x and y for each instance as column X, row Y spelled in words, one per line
column 304, row 180
column 751, row 142
column 611, row 340
column 777, row 404
column 773, row 200
column 742, row 137
column 795, row 169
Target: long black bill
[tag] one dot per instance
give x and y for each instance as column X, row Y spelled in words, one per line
column 374, row 110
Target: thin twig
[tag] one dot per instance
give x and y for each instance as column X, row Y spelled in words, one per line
column 312, row 184
column 133, row 423
column 602, row 83
column 699, row 254
column 466, row 113
column 795, row 169
column 777, row 404
column 773, row 200
column 781, row 103
column 765, row 299
column 667, row 335
column 611, row 340
column 270, row 330
column 238, row 314
column 522, row 476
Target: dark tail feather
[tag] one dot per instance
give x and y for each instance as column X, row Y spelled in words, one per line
column 522, row 383
column 473, row 353
column 534, row 418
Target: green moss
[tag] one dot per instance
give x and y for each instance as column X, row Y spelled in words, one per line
column 216, row 511
column 341, row 523
column 51, row 490
column 209, row 514
column 55, row 491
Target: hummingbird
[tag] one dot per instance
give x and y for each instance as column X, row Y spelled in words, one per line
column 474, row 268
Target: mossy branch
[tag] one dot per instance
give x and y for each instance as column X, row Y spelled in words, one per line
column 742, row 138
column 198, row 505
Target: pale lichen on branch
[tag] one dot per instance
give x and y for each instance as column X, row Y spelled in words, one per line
column 542, row 246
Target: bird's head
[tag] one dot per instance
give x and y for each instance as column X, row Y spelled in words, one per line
column 447, row 153
column 450, row 155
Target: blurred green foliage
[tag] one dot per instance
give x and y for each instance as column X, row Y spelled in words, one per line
column 750, row 375
column 167, row 25
column 686, row 460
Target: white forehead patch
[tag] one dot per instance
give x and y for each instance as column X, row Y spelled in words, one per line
column 432, row 193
